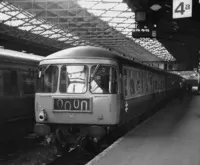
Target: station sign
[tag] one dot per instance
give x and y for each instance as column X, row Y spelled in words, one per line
column 182, row 8
column 144, row 34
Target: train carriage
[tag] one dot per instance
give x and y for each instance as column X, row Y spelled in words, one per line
column 17, row 87
column 91, row 89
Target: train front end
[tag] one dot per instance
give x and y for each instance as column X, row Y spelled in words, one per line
column 77, row 96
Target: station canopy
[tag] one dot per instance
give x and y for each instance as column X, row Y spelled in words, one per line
column 67, row 23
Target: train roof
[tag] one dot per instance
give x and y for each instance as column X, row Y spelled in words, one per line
column 84, row 52
column 81, row 52
column 6, row 54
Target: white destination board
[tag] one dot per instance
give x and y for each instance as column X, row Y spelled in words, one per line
column 182, row 8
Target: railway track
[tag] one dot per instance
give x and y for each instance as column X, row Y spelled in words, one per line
column 75, row 157
column 42, row 154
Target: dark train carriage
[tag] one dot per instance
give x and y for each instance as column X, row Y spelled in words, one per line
column 144, row 88
column 17, row 87
column 90, row 89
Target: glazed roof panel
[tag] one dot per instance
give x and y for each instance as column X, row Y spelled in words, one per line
column 68, row 23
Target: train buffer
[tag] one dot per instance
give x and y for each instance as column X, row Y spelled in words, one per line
column 170, row 137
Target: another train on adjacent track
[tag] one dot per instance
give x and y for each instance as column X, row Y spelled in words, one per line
column 87, row 91
column 17, row 88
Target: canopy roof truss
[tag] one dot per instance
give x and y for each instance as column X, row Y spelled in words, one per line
column 104, row 23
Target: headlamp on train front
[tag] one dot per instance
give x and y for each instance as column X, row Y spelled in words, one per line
column 42, row 115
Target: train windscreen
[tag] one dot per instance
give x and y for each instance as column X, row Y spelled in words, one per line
column 48, row 79
column 73, row 79
column 103, row 79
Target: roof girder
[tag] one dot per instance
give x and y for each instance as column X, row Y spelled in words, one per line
column 47, row 12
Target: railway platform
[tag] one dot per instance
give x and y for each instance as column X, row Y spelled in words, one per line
column 170, row 137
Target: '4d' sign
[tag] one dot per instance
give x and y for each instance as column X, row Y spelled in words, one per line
column 182, row 8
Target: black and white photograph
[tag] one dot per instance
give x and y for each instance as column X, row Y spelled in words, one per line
column 99, row 82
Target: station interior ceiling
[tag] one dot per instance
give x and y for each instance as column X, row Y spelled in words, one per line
column 181, row 37
column 46, row 26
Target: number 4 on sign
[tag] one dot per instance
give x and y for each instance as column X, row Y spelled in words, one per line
column 182, row 8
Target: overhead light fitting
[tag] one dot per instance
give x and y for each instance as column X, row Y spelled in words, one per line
column 155, row 7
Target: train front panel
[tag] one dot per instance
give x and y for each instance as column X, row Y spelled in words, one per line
column 78, row 91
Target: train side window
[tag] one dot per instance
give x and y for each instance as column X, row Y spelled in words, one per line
column 132, row 82
column 145, row 83
column 10, row 81
column 114, row 82
column 151, row 83
column 156, row 84
column 1, row 83
column 125, row 82
column 142, row 80
column 28, row 80
column 14, row 85
column 138, row 83
column 6, row 83
column 132, row 86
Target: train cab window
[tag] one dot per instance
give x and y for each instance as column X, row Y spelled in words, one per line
column 103, row 79
column 48, row 78
column 73, row 79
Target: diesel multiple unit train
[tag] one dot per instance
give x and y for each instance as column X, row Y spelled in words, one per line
column 17, row 88
column 87, row 91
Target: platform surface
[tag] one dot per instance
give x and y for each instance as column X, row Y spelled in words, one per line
column 170, row 137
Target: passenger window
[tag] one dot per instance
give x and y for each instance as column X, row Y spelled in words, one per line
column 138, row 83
column 125, row 82
column 145, row 82
column 151, row 83
column 1, row 83
column 155, row 85
column 114, row 84
column 142, row 79
column 132, row 86
column 125, row 87
column 28, row 79
column 10, row 81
